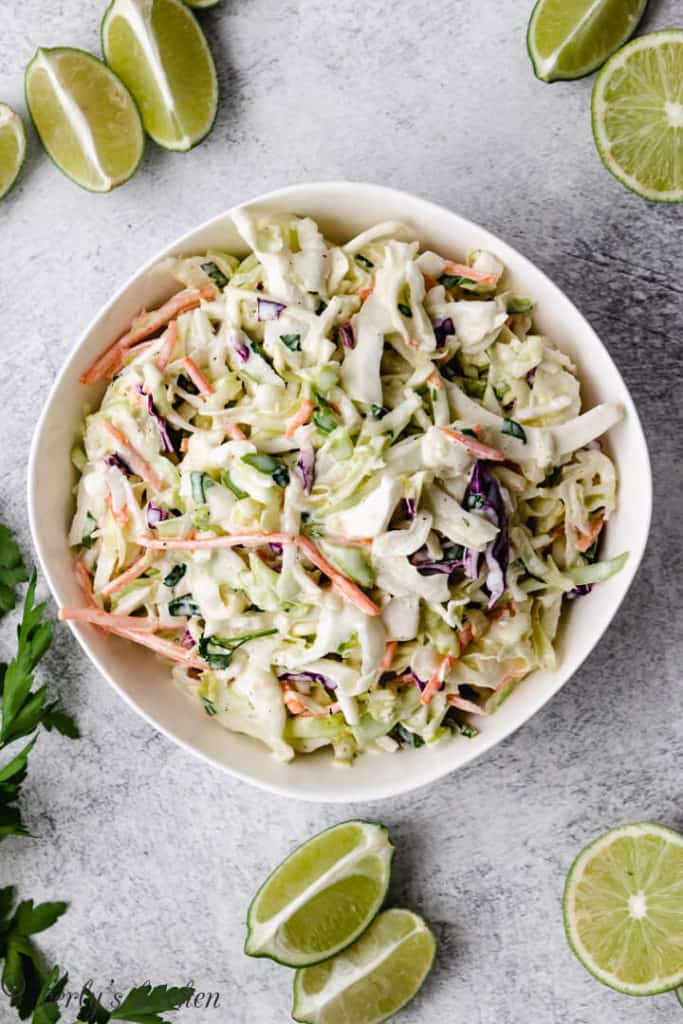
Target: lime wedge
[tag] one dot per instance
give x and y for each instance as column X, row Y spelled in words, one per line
column 160, row 52
column 372, row 979
column 85, row 117
column 623, row 908
column 12, row 148
column 322, row 897
column 201, row 4
column 679, row 995
column 638, row 116
column 571, row 38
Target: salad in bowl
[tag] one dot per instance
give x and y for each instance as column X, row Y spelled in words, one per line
column 346, row 490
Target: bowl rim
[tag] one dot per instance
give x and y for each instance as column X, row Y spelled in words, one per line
column 484, row 742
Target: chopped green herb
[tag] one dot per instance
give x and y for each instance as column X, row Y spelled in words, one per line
column 325, row 420
column 406, row 310
column 501, row 390
column 453, row 552
column 467, row 730
column 553, row 477
column 378, row 412
column 87, row 540
column 269, row 466
column 455, row 281
column 292, row 341
column 209, row 707
column 281, row 475
column 321, row 306
column 175, row 575
column 215, row 273
column 514, row 429
column 187, row 385
column 200, row 484
column 405, row 737
column 364, row 261
column 185, row 605
column 474, row 501
column 259, row 350
column 232, row 486
column 467, row 432
column 519, row 304
column 221, row 659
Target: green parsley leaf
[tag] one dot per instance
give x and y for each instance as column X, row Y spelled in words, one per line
column 12, row 570
column 185, row 605
column 514, row 429
column 175, row 575
column 221, row 659
column 292, row 341
column 215, row 273
column 232, row 486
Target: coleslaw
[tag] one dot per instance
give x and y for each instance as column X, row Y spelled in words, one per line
column 345, row 489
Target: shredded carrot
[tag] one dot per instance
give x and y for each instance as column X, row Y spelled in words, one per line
column 473, row 446
column 168, row 648
column 365, row 293
column 462, row 270
column 85, row 583
column 197, row 377
column 185, row 444
column 139, row 566
column 413, row 342
column 508, row 679
column 120, row 514
column 462, row 704
column 437, row 677
column 465, row 636
column 234, row 540
column 500, row 610
column 101, row 618
column 435, row 380
column 302, row 416
column 403, row 680
column 137, row 462
column 341, row 538
column 343, row 584
column 430, row 282
column 168, row 343
column 142, row 327
column 585, row 541
column 388, row 656
column 235, row 432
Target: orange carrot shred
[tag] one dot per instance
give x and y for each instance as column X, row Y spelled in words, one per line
column 388, row 656
column 197, row 377
column 302, row 416
column 473, row 446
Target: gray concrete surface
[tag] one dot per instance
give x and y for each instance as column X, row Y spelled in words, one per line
column 159, row 854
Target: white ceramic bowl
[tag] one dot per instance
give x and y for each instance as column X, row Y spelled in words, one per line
column 342, row 209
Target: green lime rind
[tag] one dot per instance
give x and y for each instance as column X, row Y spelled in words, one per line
column 620, row 20
column 44, row 125
column 636, row 831
column 322, row 896
column 679, row 994
column 201, row 5
column 170, row 87
column 371, row 980
column 670, row 110
column 12, row 148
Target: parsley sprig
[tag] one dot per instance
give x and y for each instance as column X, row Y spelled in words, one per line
column 24, row 709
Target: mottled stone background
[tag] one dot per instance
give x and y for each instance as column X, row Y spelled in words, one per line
column 158, row 853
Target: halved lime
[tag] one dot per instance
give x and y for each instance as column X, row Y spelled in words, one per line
column 623, row 908
column 323, row 896
column 160, row 52
column 201, row 4
column 571, row 38
column 372, row 979
column 638, row 116
column 679, row 995
column 85, row 117
column 12, row 148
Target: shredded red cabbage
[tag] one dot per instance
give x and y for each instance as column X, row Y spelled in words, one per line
column 269, row 310
column 411, row 507
column 187, row 640
column 420, row 683
column 155, row 515
column 166, row 441
column 347, row 336
column 306, row 466
column 483, row 492
column 471, row 564
column 308, row 677
column 443, row 328
column 120, row 463
column 580, row 591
